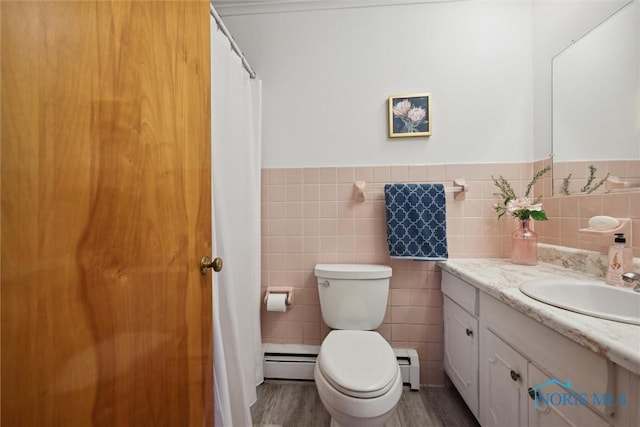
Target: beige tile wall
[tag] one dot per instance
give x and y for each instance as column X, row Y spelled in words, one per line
column 625, row 170
column 309, row 217
column 568, row 214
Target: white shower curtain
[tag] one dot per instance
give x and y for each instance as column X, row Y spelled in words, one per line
column 236, row 144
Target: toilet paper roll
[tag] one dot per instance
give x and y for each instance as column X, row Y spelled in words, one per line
column 277, row 302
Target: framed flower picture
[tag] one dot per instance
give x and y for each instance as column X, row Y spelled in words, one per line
column 410, row 115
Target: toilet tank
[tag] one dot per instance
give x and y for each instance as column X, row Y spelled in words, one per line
column 353, row 296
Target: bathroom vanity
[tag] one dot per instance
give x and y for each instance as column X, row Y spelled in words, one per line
column 520, row 362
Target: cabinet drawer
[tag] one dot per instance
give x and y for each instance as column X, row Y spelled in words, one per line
column 465, row 295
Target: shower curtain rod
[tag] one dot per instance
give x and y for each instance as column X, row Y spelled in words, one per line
column 234, row 45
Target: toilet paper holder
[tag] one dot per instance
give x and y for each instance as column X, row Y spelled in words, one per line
column 280, row 290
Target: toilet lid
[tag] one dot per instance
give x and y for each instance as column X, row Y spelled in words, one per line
column 358, row 363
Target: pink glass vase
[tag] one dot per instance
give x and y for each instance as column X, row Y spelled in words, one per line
column 524, row 250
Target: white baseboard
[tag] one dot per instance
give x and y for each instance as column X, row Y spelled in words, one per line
column 296, row 362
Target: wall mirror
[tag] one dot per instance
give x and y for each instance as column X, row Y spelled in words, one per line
column 596, row 107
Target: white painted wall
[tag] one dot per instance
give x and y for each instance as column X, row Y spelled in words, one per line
column 327, row 76
column 556, row 24
column 595, row 96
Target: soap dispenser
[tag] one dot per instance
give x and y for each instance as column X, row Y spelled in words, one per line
column 620, row 261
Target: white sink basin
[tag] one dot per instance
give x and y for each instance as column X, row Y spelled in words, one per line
column 595, row 299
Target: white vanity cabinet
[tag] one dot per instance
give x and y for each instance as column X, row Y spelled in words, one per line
column 503, row 384
column 541, row 414
column 517, row 354
column 498, row 358
column 461, row 338
column 509, row 398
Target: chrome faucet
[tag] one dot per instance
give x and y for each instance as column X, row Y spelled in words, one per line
column 630, row 278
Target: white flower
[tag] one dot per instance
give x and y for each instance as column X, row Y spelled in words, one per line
column 417, row 114
column 521, row 204
column 519, row 207
column 401, row 109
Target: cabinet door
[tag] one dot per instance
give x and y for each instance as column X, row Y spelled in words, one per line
column 503, row 384
column 461, row 352
column 550, row 407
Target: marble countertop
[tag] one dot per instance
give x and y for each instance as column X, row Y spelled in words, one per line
column 615, row 341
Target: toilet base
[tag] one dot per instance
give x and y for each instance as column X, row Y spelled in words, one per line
column 367, row 422
column 347, row 411
column 334, row 423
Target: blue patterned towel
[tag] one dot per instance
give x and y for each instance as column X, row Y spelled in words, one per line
column 416, row 221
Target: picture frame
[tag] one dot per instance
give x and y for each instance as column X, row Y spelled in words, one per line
column 410, row 115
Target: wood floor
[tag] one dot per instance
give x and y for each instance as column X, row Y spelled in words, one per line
column 297, row 404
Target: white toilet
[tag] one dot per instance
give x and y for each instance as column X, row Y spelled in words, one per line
column 356, row 373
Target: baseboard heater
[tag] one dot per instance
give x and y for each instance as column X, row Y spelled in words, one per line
column 296, row 362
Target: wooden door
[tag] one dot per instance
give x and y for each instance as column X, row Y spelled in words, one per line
column 106, row 211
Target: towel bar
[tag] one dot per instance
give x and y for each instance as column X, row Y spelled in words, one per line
column 460, row 188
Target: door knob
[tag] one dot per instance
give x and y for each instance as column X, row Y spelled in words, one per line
column 206, row 262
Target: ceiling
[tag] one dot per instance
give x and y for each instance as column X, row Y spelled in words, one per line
column 249, row 7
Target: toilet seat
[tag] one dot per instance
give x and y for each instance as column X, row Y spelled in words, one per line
column 360, row 364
